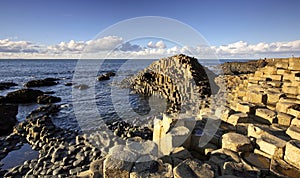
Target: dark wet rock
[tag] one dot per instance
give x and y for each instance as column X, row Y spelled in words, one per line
column 7, row 85
column 111, row 74
column 103, row 77
column 49, row 92
column 81, row 87
column 46, row 99
column 42, row 82
column 7, row 118
column 44, row 111
column 126, row 130
column 22, row 96
column 106, row 76
column 236, row 68
column 69, row 84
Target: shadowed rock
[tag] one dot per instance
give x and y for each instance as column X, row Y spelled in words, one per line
column 46, row 99
column 106, row 76
column 41, row 83
column 7, row 118
column 22, row 96
column 7, row 85
column 236, row 68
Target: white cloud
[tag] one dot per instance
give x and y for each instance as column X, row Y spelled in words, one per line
column 8, row 46
column 71, row 46
column 105, row 43
column 160, row 44
column 115, row 47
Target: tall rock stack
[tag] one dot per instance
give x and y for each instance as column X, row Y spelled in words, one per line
column 180, row 79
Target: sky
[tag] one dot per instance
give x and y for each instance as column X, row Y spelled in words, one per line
column 230, row 29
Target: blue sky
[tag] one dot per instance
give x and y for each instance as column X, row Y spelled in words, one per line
column 222, row 22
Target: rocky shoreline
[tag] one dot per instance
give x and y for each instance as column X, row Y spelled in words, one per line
column 253, row 115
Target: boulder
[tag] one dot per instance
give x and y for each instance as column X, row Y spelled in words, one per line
column 296, row 122
column 103, row 77
column 68, row 84
column 155, row 169
column 193, row 169
column 42, row 82
column 271, row 145
column 96, row 169
column 46, row 99
column 257, row 97
column 145, row 165
column 7, row 118
column 236, row 142
column 273, row 97
column 236, row 118
column 175, row 138
column 245, row 107
column 284, row 106
column 118, row 162
column 106, row 76
column 292, row 153
column 23, row 96
column 284, row 119
column 6, row 85
column 143, row 147
column 293, row 132
column 267, row 115
column 220, row 156
column 294, row 111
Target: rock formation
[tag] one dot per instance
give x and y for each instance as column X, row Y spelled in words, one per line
column 22, row 96
column 106, row 76
column 263, row 105
column 29, row 96
column 7, row 85
column 42, row 82
column 179, row 79
column 8, row 119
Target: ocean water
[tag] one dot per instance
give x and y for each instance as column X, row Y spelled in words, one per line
column 109, row 100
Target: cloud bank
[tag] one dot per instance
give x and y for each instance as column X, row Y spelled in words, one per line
column 116, row 47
